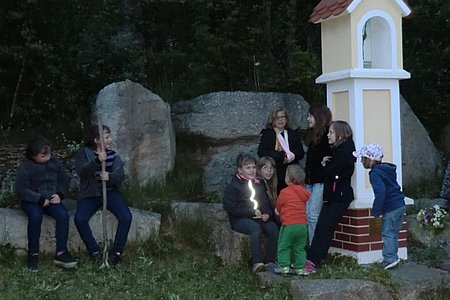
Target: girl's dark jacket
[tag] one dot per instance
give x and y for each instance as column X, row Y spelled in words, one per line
column 36, row 182
column 313, row 167
column 236, row 201
column 338, row 173
column 86, row 165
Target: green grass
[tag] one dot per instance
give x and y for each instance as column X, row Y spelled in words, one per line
column 176, row 265
column 157, row 269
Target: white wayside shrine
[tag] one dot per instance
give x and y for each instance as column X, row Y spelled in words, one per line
column 362, row 64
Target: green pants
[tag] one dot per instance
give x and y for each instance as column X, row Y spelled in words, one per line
column 291, row 245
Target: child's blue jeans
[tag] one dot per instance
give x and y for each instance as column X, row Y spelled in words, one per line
column 313, row 207
column 390, row 227
column 34, row 211
column 116, row 204
column 255, row 228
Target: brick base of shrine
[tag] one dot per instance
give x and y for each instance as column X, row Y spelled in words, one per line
column 358, row 235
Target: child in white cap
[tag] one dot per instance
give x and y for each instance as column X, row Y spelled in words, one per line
column 389, row 200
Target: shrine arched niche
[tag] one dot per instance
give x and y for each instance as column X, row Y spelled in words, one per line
column 377, row 42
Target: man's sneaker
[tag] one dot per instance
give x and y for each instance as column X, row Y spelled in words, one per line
column 282, row 270
column 32, row 262
column 259, row 267
column 113, row 258
column 65, row 260
column 387, row 265
column 97, row 258
column 310, row 268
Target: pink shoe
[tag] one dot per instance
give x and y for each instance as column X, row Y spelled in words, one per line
column 310, row 268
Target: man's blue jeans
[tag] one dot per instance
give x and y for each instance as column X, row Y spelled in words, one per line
column 34, row 212
column 313, row 207
column 391, row 224
column 255, row 229
column 116, row 204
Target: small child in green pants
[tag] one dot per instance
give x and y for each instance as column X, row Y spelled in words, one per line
column 291, row 206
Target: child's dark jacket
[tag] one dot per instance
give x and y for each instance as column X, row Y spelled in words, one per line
column 236, row 200
column 36, row 182
column 338, row 173
column 87, row 164
column 388, row 195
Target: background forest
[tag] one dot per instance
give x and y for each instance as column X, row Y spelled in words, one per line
column 55, row 56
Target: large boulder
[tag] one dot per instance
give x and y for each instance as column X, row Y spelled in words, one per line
column 420, row 159
column 224, row 116
column 228, row 123
column 141, row 127
column 14, row 228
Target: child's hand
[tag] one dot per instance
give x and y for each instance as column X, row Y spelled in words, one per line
column 325, row 160
column 102, row 156
column 104, row 176
column 258, row 213
column 46, row 203
column 265, row 217
column 55, row 199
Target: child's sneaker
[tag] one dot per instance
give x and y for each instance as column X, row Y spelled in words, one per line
column 310, row 268
column 32, row 262
column 65, row 260
column 97, row 258
column 270, row 267
column 300, row 271
column 113, row 258
column 282, row 270
column 387, row 265
column 259, row 267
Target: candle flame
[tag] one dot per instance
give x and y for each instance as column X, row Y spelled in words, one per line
column 252, row 196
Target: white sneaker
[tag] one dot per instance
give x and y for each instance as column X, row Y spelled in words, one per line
column 390, row 265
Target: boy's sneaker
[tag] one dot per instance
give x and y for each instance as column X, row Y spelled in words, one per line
column 259, row 267
column 65, row 260
column 310, row 268
column 387, row 265
column 97, row 258
column 270, row 267
column 32, row 262
column 282, row 270
column 113, row 258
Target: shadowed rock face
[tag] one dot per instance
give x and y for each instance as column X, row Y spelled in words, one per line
column 229, row 123
column 420, row 159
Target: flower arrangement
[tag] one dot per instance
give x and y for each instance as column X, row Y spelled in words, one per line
column 433, row 218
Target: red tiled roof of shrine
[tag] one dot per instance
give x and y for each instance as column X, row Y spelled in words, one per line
column 328, row 8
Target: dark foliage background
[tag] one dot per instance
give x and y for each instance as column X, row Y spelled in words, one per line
column 55, row 56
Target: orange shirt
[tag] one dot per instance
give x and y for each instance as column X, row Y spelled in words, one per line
column 291, row 204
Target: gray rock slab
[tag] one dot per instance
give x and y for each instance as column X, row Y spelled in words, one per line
column 326, row 289
column 13, row 229
column 230, row 246
column 421, row 282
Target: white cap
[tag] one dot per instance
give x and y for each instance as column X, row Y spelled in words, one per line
column 372, row 151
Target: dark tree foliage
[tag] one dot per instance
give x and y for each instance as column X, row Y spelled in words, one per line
column 427, row 57
column 55, row 56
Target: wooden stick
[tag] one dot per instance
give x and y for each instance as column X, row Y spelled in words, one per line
column 102, row 148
